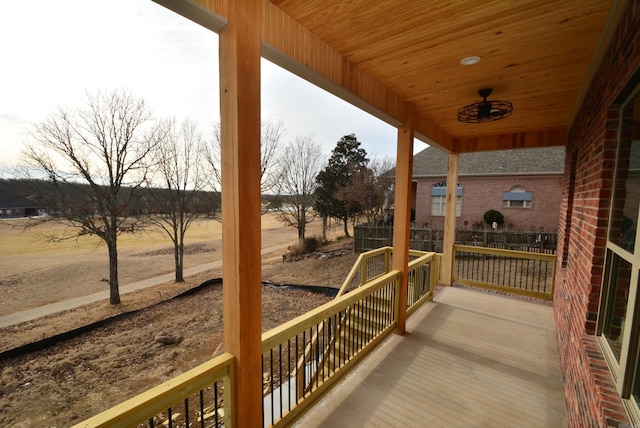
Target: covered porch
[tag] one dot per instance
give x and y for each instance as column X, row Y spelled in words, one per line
column 469, row 358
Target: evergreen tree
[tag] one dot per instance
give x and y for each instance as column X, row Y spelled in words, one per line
column 348, row 160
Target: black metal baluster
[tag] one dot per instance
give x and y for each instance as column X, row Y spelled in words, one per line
column 202, row 408
column 343, row 317
column 317, row 356
column 186, row 412
column 359, row 330
column 304, row 362
column 375, row 322
column 215, row 404
column 493, row 272
column 371, row 307
column 289, row 371
column 280, row 374
column 263, row 382
column 297, row 370
column 504, row 271
column 336, row 337
column 521, row 262
column 273, row 411
column 366, row 320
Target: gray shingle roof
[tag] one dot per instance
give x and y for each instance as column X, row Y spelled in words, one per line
column 546, row 160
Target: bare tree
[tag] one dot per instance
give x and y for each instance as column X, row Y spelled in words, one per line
column 94, row 161
column 300, row 163
column 213, row 158
column 384, row 185
column 271, row 141
column 177, row 185
column 359, row 193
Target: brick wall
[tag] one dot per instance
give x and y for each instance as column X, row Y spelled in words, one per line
column 590, row 396
column 480, row 194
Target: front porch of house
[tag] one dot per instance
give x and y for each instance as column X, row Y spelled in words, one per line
column 469, row 358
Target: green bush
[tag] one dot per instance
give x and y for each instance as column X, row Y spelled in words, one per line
column 493, row 215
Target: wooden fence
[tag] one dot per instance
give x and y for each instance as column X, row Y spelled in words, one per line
column 369, row 237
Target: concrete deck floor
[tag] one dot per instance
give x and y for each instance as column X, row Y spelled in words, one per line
column 469, row 359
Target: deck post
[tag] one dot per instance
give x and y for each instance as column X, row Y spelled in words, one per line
column 402, row 210
column 240, row 157
column 450, row 219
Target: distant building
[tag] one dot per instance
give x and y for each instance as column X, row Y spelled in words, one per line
column 12, row 205
column 524, row 185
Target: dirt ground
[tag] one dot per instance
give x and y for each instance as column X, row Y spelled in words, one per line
column 76, row 378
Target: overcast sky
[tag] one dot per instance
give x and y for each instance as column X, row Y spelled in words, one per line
column 54, row 51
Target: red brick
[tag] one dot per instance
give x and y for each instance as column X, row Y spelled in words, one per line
column 591, row 397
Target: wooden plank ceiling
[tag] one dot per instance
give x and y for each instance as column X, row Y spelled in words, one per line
column 380, row 54
column 533, row 53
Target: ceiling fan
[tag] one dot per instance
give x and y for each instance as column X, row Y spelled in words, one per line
column 485, row 110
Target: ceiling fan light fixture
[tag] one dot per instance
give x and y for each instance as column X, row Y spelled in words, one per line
column 485, row 110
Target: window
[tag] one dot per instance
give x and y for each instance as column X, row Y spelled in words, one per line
column 517, row 197
column 619, row 315
column 439, row 197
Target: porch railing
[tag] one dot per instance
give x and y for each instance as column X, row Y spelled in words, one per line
column 313, row 351
column 195, row 398
column 368, row 266
column 517, row 272
column 319, row 331
column 328, row 340
column 423, row 276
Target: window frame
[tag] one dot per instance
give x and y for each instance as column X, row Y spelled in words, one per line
column 438, row 194
column 517, row 193
column 622, row 369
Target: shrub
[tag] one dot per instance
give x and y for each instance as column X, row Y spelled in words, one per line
column 493, row 215
column 309, row 245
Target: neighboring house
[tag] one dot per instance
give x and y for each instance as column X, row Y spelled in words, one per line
column 524, row 185
column 12, row 205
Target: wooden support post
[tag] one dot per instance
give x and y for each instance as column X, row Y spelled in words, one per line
column 402, row 210
column 240, row 154
column 450, row 219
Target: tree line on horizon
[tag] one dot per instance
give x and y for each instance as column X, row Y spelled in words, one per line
column 110, row 167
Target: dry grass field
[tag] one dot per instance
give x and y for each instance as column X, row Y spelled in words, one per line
column 73, row 379
column 34, row 272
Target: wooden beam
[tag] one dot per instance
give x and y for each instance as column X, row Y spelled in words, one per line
column 520, row 140
column 450, row 219
column 240, row 153
column 402, row 209
column 200, row 13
